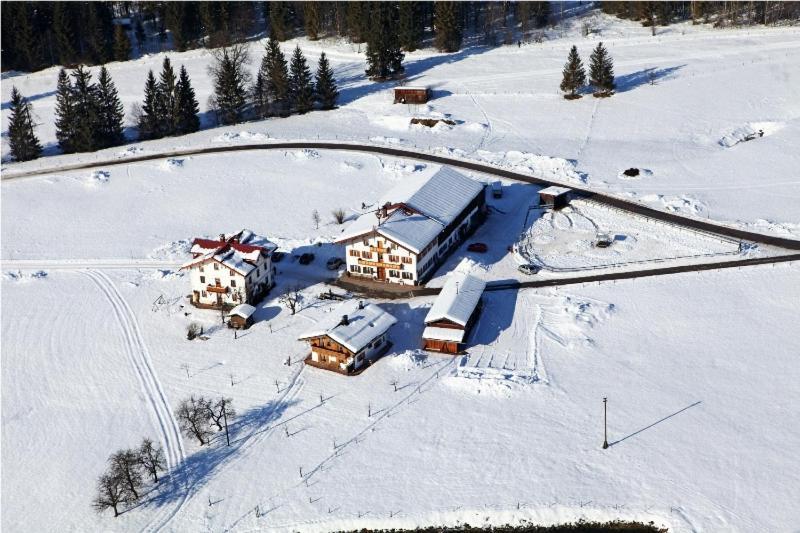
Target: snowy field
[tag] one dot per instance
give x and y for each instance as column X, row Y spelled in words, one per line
column 700, row 369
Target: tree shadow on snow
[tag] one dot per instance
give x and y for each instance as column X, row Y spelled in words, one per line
column 32, row 98
column 631, row 81
column 198, row 468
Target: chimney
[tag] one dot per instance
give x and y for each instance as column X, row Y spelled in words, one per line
column 345, row 321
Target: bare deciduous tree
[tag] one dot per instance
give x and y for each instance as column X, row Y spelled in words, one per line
column 192, row 415
column 151, row 457
column 221, row 411
column 110, row 494
column 339, row 215
column 291, row 298
column 125, row 466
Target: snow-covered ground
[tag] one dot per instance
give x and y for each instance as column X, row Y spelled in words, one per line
column 700, row 369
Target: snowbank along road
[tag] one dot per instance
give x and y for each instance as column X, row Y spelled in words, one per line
column 613, row 201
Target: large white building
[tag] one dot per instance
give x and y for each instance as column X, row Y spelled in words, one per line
column 231, row 270
column 412, row 231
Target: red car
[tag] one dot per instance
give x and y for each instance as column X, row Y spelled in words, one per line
column 478, row 247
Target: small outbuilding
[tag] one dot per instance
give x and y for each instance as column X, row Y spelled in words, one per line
column 411, row 95
column 554, row 196
column 241, row 316
column 453, row 313
column 349, row 339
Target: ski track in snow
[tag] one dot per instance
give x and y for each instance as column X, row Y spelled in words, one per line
column 256, row 436
column 139, row 357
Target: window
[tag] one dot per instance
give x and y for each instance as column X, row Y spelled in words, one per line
column 366, row 242
column 203, row 294
column 354, row 253
column 394, row 274
column 332, row 359
column 394, row 246
column 407, row 275
column 366, row 255
column 355, row 268
column 233, row 273
column 407, row 260
column 233, row 283
column 202, row 268
column 394, row 259
column 217, row 282
column 202, row 279
column 367, row 270
column 216, row 266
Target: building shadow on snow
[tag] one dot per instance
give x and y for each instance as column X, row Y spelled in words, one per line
column 497, row 315
column 628, row 82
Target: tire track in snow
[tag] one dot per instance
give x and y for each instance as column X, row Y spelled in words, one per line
column 139, row 357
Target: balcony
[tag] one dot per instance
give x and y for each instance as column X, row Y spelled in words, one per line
column 380, row 264
column 219, row 290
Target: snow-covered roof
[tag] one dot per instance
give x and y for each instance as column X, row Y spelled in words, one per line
column 243, row 310
column 364, row 324
column 458, row 299
column 237, row 251
column 434, row 205
column 443, row 334
column 554, row 190
column 412, row 88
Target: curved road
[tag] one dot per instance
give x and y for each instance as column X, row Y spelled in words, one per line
column 607, row 199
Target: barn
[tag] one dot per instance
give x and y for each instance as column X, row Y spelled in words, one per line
column 452, row 315
column 349, row 339
column 241, row 316
column 554, row 196
column 411, row 95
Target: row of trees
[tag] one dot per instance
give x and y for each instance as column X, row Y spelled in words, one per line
column 720, row 13
column 89, row 115
column 280, row 87
column 124, row 481
column 601, row 73
column 169, row 107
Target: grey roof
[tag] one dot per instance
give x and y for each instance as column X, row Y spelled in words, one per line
column 364, row 325
column 458, row 299
column 438, row 201
column 554, row 190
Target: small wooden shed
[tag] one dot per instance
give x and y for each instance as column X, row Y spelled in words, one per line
column 241, row 316
column 554, row 196
column 411, row 95
column 453, row 314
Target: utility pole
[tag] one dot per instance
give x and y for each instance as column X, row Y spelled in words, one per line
column 605, row 422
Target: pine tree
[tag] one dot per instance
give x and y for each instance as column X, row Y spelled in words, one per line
column 384, row 57
column 301, row 88
column 186, row 104
column 122, row 45
column 84, row 102
column 574, row 74
column 277, row 78
column 27, row 45
column 21, row 139
column 449, row 33
column 311, row 20
column 601, row 71
column 147, row 121
column 99, row 32
column 110, row 113
column 325, row 87
column 358, row 18
column 175, row 18
column 166, row 110
column 230, row 79
column 65, row 113
column 409, row 26
column 62, row 30
column 278, row 20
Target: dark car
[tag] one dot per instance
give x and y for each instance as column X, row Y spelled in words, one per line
column 478, row 247
column 334, row 263
column 277, row 257
column 306, row 258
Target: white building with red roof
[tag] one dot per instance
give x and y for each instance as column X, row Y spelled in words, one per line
column 231, row 270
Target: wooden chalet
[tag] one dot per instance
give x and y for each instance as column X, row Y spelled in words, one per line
column 452, row 315
column 241, row 316
column 554, row 196
column 411, row 95
column 350, row 339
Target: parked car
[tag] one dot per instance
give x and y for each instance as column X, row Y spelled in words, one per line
column 528, row 269
column 603, row 240
column 306, row 258
column 478, row 247
column 277, row 257
column 334, row 263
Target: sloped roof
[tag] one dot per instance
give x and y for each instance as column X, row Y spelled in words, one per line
column 243, row 310
column 554, row 190
column 435, row 204
column 237, row 251
column 457, row 300
column 364, row 325
column 443, row 334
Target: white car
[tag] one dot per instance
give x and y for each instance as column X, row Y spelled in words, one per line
column 528, row 269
